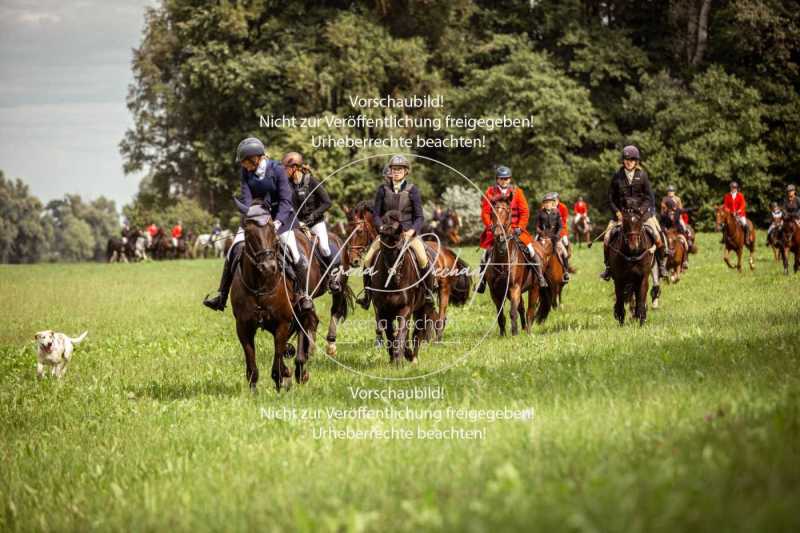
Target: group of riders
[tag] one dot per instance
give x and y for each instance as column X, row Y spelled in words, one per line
column 296, row 199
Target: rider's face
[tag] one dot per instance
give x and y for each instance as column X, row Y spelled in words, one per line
column 630, row 164
column 397, row 173
column 792, row 194
column 251, row 163
column 503, row 182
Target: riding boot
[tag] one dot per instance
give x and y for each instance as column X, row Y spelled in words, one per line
column 430, row 286
column 366, row 296
column 746, row 230
column 605, row 275
column 482, row 273
column 217, row 303
column 537, row 269
column 661, row 255
column 565, row 264
column 301, row 275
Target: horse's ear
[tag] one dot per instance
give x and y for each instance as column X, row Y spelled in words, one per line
column 240, row 206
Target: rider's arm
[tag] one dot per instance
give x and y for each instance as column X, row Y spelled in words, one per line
column 418, row 218
column 322, row 196
column 285, row 208
column 377, row 207
column 247, row 196
column 612, row 194
column 522, row 205
column 486, row 211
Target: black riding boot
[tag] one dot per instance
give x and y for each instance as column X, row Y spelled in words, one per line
column 565, row 264
column 366, row 295
column 217, row 303
column 661, row 255
column 605, row 275
column 746, row 230
column 482, row 276
column 301, row 275
column 430, row 285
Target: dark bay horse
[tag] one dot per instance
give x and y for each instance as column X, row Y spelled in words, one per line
column 631, row 257
column 508, row 275
column 398, row 292
column 445, row 229
column 452, row 273
column 733, row 235
column 791, row 243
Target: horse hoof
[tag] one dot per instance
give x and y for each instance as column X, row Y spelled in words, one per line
column 331, row 349
column 655, row 303
column 305, row 377
column 286, row 383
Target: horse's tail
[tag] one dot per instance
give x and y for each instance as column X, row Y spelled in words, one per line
column 545, row 303
column 459, row 295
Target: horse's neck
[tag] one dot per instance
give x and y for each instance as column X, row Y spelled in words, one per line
column 254, row 279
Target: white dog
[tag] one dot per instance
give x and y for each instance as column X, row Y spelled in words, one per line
column 55, row 350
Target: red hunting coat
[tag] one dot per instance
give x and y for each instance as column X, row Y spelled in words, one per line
column 737, row 206
column 519, row 214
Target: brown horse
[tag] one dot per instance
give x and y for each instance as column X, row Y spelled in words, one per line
column 679, row 246
column 452, row 273
column 631, row 256
column 509, row 275
column 733, row 235
column 262, row 295
column 791, row 243
column 582, row 230
column 398, row 292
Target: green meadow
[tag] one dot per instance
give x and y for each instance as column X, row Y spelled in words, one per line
column 690, row 423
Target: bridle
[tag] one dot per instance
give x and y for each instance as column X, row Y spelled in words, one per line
column 255, row 257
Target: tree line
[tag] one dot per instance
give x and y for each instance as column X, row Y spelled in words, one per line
column 708, row 89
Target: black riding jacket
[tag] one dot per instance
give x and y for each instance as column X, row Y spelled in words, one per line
column 548, row 223
column 408, row 201
column 635, row 195
column 792, row 208
column 315, row 197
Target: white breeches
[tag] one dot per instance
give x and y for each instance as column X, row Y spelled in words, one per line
column 321, row 231
column 286, row 238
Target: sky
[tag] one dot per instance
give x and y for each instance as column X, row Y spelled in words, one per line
column 65, row 68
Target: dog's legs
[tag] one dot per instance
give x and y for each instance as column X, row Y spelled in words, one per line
column 39, row 370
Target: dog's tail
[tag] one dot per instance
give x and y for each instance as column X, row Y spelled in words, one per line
column 79, row 339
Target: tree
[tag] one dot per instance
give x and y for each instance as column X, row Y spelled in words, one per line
column 25, row 236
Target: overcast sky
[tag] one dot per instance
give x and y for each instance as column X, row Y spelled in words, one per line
column 64, row 74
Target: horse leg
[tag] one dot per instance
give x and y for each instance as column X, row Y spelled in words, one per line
column 280, row 372
column 750, row 258
column 784, row 258
column 441, row 320
column 619, row 303
column 726, row 258
column 379, row 330
column 246, row 331
column 533, row 302
column 514, row 296
column 499, row 300
column 523, row 318
column 419, row 334
column 391, row 337
column 739, row 252
column 641, row 301
column 401, row 342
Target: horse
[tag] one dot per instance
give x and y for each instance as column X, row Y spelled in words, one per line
column 446, row 229
column 631, row 257
column 115, row 249
column 733, row 237
column 679, row 246
column 775, row 241
column 263, row 295
column 791, row 243
column 452, row 273
column 509, row 275
column 161, row 246
column 203, row 245
column 582, row 230
column 398, row 292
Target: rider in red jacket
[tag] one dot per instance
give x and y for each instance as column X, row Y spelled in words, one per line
column 503, row 189
column 734, row 202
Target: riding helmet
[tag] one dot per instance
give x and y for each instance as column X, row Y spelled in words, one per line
column 502, row 172
column 734, row 185
column 400, row 161
column 248, row 148
column 791, row 188
column 630, row 152
column 671, row 188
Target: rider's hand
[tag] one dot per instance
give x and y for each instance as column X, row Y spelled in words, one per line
column 619, row 216
column 277, row 224
column 408, row 234
column 517, row 232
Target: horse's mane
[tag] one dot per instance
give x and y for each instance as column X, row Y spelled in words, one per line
column 363, row 206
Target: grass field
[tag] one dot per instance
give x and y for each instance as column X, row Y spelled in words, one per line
column 691, row 423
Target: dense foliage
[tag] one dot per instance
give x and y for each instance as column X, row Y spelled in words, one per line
column 710, row 91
